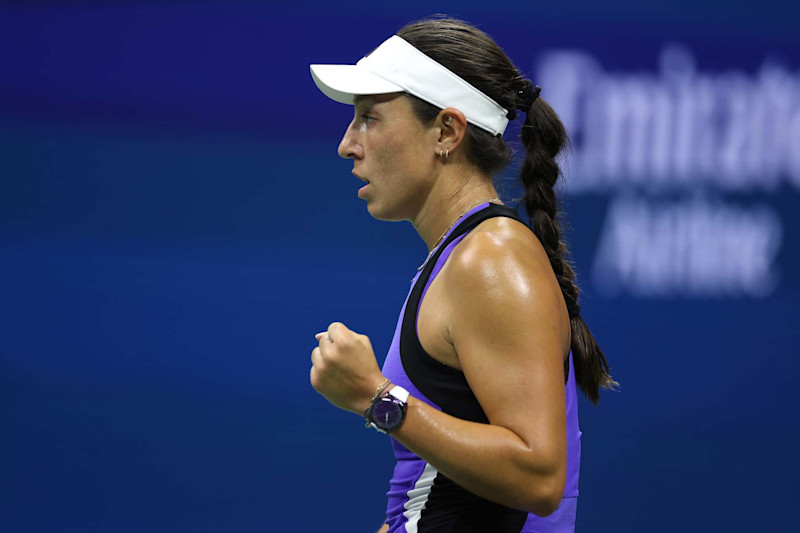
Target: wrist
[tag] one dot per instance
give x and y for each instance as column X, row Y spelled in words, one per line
column 379, row 388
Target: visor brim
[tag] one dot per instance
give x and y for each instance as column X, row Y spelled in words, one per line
column 343, row 82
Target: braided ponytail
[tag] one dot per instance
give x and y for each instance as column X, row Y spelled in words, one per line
column 485, row 66
column 543, row 136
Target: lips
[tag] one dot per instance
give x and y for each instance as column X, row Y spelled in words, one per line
column 359, row 177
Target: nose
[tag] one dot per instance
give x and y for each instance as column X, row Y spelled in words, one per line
column 349, row 147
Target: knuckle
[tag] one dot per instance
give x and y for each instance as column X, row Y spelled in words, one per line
column 364, row 341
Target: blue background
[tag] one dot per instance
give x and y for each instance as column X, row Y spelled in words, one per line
column 175, row 225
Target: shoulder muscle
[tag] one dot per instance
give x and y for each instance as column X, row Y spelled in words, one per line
column 503, row 265
column 508, row 329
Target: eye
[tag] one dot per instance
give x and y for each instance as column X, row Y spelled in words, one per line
column 367, row 118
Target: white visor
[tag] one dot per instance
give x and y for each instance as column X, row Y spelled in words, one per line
column 396, row 66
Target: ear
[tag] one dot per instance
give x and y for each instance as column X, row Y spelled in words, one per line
column 452, row 125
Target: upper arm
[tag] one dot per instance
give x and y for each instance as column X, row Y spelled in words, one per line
column 510, row 330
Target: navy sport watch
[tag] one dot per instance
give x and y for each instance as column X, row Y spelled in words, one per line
column 387, row 412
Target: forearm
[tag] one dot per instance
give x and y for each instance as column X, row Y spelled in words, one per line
column 488, row 460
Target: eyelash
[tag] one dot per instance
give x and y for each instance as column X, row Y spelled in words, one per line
column 367, row 118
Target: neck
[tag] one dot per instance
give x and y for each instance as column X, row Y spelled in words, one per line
column 453, row 194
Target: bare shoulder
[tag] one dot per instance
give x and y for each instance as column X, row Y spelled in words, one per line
column 500, row 250
column 500, row 274
column 509, row 327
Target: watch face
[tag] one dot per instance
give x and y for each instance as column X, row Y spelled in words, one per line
column 387, row 414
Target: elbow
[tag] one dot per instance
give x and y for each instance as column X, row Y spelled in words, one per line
column 544, row 506
column 545, row 494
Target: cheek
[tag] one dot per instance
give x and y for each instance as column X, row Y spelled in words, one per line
column 400, row 156
column 391, row 158
column 411, row 153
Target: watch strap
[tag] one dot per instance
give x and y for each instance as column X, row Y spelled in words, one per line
column 400, row 393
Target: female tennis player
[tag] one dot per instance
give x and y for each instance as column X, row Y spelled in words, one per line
column 478, row 390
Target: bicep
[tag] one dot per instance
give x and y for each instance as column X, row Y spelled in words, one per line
column 508, row 331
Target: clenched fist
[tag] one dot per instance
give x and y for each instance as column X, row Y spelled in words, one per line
column 344, row 369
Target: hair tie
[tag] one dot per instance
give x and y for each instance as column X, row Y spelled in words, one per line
column 527, row 95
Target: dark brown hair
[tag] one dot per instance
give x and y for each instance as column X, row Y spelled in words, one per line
column 474, row 56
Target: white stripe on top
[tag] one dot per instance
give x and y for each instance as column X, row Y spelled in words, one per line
column 418, row 497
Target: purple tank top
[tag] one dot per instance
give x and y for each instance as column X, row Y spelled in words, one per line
column 421, row 499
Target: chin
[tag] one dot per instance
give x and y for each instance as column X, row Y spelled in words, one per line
column 378, row 214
